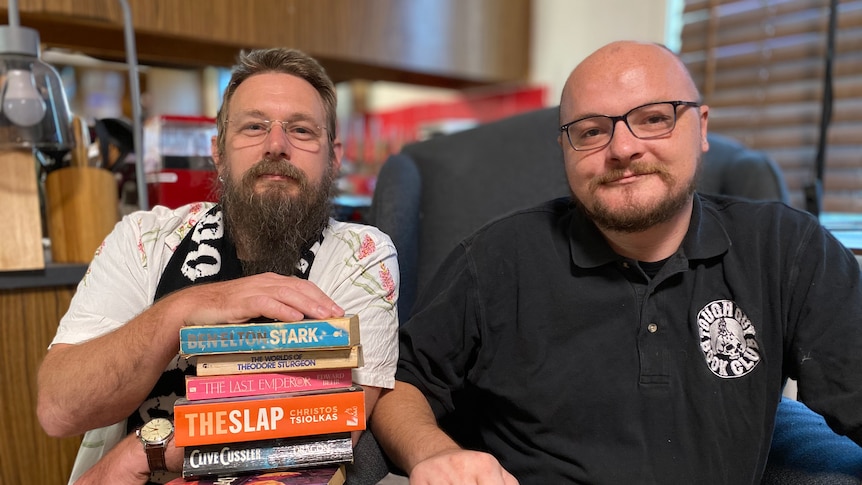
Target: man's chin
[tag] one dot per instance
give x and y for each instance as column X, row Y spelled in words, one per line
column 635, row 215
column 286, row 186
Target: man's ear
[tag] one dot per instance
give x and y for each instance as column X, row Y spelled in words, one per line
column 338, row 150
column 214, row 152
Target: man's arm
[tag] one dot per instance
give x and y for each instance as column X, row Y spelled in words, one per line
column 101, row 381
column 405, row 426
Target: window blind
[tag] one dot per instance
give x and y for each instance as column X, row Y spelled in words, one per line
column 760, row 66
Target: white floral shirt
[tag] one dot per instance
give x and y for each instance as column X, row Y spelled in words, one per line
column 356, row 266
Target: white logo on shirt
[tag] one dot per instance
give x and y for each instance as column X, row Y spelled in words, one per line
column 727, row 339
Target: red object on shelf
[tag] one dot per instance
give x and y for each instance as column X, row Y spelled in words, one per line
column 177, row 160
column 177, row 187
column 382, row 133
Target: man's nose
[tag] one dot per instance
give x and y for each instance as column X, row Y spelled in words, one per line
column 276, row 140
column 624, row 144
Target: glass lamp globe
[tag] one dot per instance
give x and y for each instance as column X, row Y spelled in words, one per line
column 34, row 112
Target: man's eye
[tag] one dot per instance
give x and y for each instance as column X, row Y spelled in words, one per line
column 590, row 133
column 302, row 131
column 253, row 128
column 591, row 130
column 655, row 119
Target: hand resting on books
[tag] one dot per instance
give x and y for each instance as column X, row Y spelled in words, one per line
column 285, row 298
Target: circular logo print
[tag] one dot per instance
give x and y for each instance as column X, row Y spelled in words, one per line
column 727, row 339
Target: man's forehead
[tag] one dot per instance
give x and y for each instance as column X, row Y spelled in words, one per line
column 276, row 95
column 615, row 88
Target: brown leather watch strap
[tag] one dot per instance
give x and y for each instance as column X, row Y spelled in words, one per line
column 156, row 457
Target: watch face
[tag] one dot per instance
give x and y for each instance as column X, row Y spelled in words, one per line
column 157, row 430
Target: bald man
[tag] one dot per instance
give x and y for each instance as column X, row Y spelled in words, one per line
column 637, row 332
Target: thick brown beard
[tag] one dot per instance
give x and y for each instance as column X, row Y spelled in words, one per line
column 638, row 219
column 271, row 228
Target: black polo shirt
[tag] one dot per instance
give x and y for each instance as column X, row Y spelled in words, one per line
column 538, row 343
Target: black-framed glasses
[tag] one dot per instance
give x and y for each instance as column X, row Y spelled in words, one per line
column 645, row 122
column 302, row 134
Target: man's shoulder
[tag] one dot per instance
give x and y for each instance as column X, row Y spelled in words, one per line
column 355, row 235
column 164, row 216
column 740, row 208
column 741, row 217
column 166, row 223
column 519, row 227
column 546, row 214
column 342, row 227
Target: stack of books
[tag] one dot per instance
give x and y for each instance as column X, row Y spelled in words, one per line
column 270, row 399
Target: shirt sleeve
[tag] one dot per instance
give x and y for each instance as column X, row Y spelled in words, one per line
column 442, row 338
column 121, row 280
column 826, row 328
column 357, row 266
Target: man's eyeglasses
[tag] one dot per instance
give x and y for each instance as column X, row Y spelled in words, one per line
column 302, row 134
column 645, row 122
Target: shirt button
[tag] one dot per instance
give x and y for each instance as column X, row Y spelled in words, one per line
column 652, row 328
column 626, row 264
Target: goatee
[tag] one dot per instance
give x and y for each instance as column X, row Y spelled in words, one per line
column 271, row 228
column 638, row 218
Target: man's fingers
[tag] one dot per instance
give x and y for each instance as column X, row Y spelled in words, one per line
column 269, row 295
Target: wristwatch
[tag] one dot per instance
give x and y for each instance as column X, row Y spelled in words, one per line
column 155, row 434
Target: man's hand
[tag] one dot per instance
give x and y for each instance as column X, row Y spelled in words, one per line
column 461, row 467
column 406, row 428
column 269, row 295
column 126, row 464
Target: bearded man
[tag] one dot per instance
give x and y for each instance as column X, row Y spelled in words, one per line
column 268, row 249
column 636, row 332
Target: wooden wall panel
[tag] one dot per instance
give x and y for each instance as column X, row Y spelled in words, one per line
column 445, row 37
column 28, row 321
column 438, row 42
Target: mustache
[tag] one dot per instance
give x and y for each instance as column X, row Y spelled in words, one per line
column 276, row 166
column 633, row 169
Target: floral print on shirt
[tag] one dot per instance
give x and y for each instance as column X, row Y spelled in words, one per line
column 380, row 284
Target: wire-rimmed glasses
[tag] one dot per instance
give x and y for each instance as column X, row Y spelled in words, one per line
column 648, row 121
column 302, row 134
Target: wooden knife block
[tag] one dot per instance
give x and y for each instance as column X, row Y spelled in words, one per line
column 20, row 216
column 82, row 208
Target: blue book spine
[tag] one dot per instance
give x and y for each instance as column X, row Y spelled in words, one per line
column 261, row 337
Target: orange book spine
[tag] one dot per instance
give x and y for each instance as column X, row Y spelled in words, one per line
column 266, row 417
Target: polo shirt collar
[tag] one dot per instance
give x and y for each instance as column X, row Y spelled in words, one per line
column 706, row 237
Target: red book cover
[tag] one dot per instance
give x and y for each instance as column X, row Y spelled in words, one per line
column 215, row 387
column 309, row 476
column 236, row 419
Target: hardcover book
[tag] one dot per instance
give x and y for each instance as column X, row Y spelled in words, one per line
column 267, row 455
column 237, row 419
column 264, row 362
column 309, row 476
column 268, row 336
column 214, row 387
